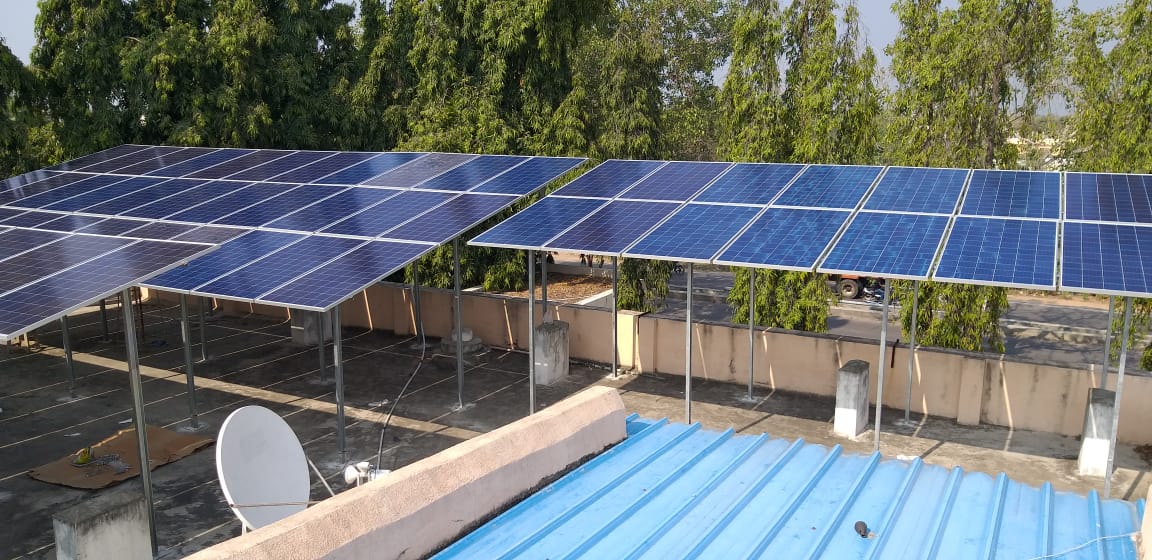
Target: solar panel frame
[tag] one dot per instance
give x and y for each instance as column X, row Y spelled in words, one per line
column 275, row 208
column 1088, row 269
column 769, row 179
column 26, row 179
column 217, row 157
column 16, row 241
column 386, row 215
column 162, row 161
column 266, row 171
column 126, row 160
column 183, row 200
column 676, row 181
column 118, row 205
column 919, row 190
column 777, row 227
column 241, row 198
column 473, row 173
column 233, row 254
column 451, row 219
column 242, row 163
column 600, row 182
column 812, row 188
column 622, row 215
column 103, row 155
column 126, row 187
column 44, row 185
column 1101, row 197
column 985, row 198
column 419, row 170
column 30, row 218
column 986, row 269
column 269, row 272
column 528, row 177
column 540, row 219
column 61, row 193
column 367, row 169
column 52, row 258
column 333, row 210
column 667, row 240
column 849, row 253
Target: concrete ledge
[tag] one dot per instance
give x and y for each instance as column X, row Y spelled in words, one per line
column 426, row 505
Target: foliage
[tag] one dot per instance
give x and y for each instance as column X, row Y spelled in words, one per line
column 786, row 300
column 643, row 284
column 20, row 125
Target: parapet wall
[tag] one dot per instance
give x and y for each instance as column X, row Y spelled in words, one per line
column 424, row 506
column 971, row 387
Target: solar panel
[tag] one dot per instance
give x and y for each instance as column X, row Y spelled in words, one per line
column 609, row 178
column 1015, row 194
column 326, row 166
column 162, row 161
column 50, row 259
column 144, row 196
column 213, row 235
column 272, row 271
column 368, row 169
column 49, row 298
column 419, row 170
column 30, row 219
column 16, row 241
column 887, row 245
column 129, row 159
column 45, row 185
column 677, row 181
column 239, row 198
column 183, row 200
column 1000, row 252
column 222, row 170
column 325, row 287
column 98, row 157
column 750, row 183
column 233, row 254
column 70, row 223
column 26, row 179
column 113, row 226
column 208, row 160
column 389, row 213
column 275, row 208
column 58, row 194
column 451, row 218
column 159, row 230
column 694, row 233
column 472, row 173
column 785, row 238
column 528, row 176
column 612, row 228
column 1107, row 197
column 1106, row 259
column 538, row 223
column 332, row 210
column 101, row 194
column 6, row 213
column 829, row 186
column 285, row 164
column 912, row 189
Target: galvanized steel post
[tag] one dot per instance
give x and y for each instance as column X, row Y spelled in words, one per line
column 912, row 350
column 459, row 326
column 531, row 333
column 186, row 337
column 1107, row 345
column 66, row 339
column 138, row 410
column 338, row 366
column 688, row 352
column 751, row 330
column 1119, row 392
column 615, row 337
column 883, row 353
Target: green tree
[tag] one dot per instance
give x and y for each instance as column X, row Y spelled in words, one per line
column 963, row 76
column 22, row 145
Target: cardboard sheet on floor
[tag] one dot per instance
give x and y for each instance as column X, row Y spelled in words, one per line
column 116, row 459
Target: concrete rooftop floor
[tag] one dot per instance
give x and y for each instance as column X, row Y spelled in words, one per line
column 252, row 360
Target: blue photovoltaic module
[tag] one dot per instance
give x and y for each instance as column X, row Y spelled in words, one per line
column 1000, row 252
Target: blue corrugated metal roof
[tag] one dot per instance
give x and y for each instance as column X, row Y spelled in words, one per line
column 678, row 491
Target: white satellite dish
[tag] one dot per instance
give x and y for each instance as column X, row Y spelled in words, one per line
column 260, row 463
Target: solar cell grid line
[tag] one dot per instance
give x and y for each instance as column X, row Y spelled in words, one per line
column 472, row 173
column 96, row 196
column 532, row 227
column 278, row 268
column 176, row 203
column 694, row 233
column 217, row 157
column 19, row 240
column 159, row 230
column 147, row 195
column 419, row 170
column 212, row 235
column 528, row 176
column 332, row 210
column 30, row 219
column 232, row 254
column 238, row 199
column 113, row 226
column 613, row 227
column 103, row 155
column 222, row 170
column 368, row 169
column 889, row 245
column 676, row 181
column 49, row 196
column 348, row 274
column 829, row 186
column 610, row 178
column 162, row 161
column 381, row 217
column 279, row 206
column 70, row 223
column 44, row 185
column 336, row 162
column 129, row 159
column 26, row 179
column 52, row 258
column 46, row 300
column 1106, row 259
column 1005, row 252
column 266, row 171
column 448, row 220
column 1016, row 194
column 1108, row 197
column 915, row 189
column 785, row 239
column 750, row 183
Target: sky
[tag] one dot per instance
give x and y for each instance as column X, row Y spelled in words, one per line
column 20, row 16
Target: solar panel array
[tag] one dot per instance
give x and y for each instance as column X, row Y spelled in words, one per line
column 992, row 227
column 305, row 229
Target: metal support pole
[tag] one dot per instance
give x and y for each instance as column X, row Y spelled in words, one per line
column 1107, row 345
column 1119, row 391
column 459, row 326
column 138, row 410
column 912, row 349
column 67, row 341
column 186, row 336
column 531, row 332
column 104, row 319
column 544, row 286
column 140, row 312
column 416, row 314
column 880, row 376
column 688, row 352
column 615, row 337
column 203, row 332
column 321, row 340
column 338, row 366
column 751, row 330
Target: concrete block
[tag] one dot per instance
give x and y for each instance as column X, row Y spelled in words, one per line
column 111, row 524
column 551, row 352
column 305, row 330
column 851, row 399
column 1096, row 438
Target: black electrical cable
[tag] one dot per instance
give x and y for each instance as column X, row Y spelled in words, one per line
column 404, row 389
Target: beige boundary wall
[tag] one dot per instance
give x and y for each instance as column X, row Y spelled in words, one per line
column 973, row 388
column 424, row 506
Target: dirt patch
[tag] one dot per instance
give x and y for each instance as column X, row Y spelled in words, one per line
column 568, row 289
column 1145, row 453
